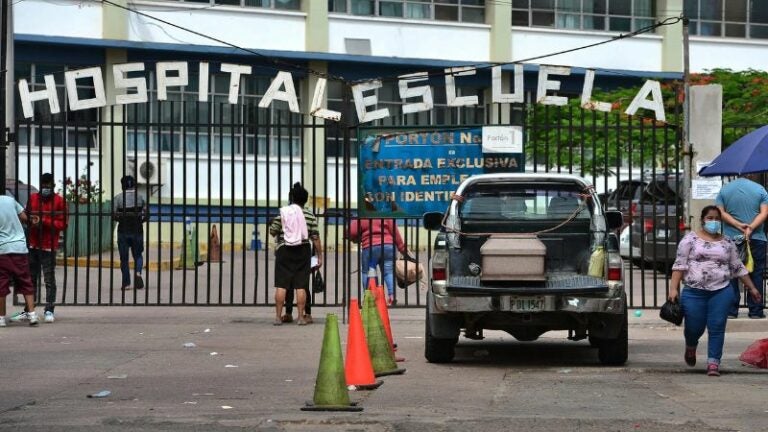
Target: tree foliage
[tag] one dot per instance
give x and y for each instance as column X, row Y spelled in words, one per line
column 600, row 143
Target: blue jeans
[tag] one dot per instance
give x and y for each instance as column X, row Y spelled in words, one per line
column 383, row 256
column 757, row 248
column 708, row 310
column 135, row 242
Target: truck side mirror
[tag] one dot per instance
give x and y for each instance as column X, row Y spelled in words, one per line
column 432, row 221
column 614, row 219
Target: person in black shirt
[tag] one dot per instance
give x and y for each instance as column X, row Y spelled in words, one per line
column 130, row 211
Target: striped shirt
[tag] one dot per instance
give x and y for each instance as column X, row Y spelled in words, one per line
column 276, row 228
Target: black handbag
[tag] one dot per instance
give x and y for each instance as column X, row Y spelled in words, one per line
column 318, row 284
column 672, row 312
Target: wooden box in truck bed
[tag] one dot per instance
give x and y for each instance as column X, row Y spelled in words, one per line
column 513, row 258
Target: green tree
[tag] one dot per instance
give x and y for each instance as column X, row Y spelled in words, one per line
column 600, row 143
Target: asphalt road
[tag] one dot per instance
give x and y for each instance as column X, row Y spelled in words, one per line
column 264, row 374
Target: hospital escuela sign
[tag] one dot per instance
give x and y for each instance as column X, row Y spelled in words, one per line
column 422, row 166
column 411, row 172
column 415, row 94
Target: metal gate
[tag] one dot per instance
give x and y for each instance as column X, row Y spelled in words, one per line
column 206, row 165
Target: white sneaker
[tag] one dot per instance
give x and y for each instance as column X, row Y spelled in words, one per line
column 32, row 317
column 19, row 317
column 2, row 321
column 48, row 317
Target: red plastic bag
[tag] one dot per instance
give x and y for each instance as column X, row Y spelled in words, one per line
column 756, row 354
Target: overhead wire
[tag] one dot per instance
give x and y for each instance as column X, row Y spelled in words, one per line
column 274, row 60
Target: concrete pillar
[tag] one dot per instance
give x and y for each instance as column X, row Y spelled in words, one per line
column 705, row 136
column 114, row 25
column 112, row 151
column 114, row 20
column 316, row 27
column 313, row 157
column 316, row 31
column 499, row 16
column 672, row 42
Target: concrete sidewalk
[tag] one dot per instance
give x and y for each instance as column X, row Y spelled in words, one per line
column 158, row 381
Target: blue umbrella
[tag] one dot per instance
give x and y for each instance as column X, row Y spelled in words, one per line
column 749, row 154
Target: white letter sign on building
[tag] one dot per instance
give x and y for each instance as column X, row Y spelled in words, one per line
column 98, row 100
column 28, row 97
column 121, row 82
column 545, row 84
column 363, row 102
column 234, row 79
column 496, row 93
column 641, row 100
column 282, row 88
column 283, row 79
column 450, row 87
column 164, row 81
column 424, row 92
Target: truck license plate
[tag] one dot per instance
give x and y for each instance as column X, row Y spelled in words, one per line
column 526, row 304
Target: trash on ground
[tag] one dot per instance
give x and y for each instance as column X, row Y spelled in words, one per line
column 230, row 366
column 214, row 353
column 121, row 376
column 226, row 407
column 101, row 394
column 207, row 330
column 756, row 354
column 189, row 403
column 564, row 371
column 189, row 345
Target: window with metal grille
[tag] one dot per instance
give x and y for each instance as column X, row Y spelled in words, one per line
column 591, row 15
column 732, row 18
column 472, row 11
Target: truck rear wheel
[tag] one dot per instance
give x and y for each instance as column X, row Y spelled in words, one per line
column 614, row 352
column 437, row 350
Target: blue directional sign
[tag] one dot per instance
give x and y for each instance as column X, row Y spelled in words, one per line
column 410, row 172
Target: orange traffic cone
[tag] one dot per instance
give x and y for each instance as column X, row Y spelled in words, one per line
column 214, row 246
column 358, row 368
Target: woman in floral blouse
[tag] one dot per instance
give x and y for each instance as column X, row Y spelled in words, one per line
column 706, row 262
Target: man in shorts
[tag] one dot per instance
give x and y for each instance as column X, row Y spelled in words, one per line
column 14, row 261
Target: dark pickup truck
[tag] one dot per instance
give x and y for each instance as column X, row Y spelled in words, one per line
column 526, row 254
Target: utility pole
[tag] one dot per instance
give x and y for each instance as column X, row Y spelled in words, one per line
column 4, row 132
column 687, row 146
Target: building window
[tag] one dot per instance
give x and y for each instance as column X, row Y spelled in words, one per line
column 272, row 4
column 214, row 127
column 732, row 18
column 597, row 15
column 472, row 11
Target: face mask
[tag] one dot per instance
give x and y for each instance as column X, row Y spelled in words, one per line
column 712, row 227
column 46, row 192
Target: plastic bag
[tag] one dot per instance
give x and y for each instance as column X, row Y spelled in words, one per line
column 408, row 272
column 318, row 284
column 672, row 312
column 745, row 253
column 749, row 263
column 597, row 262
column 756, row 354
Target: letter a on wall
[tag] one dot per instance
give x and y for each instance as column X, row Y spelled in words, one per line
column 656, row 103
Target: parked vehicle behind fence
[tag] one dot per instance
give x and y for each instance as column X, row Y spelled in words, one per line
column 526, row 254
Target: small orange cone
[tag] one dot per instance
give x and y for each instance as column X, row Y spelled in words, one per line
column 381, row 306
column 214, row 246
column 358, row 368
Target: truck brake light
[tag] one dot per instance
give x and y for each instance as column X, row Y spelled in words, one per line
column 615, row 270
column 438, row 273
